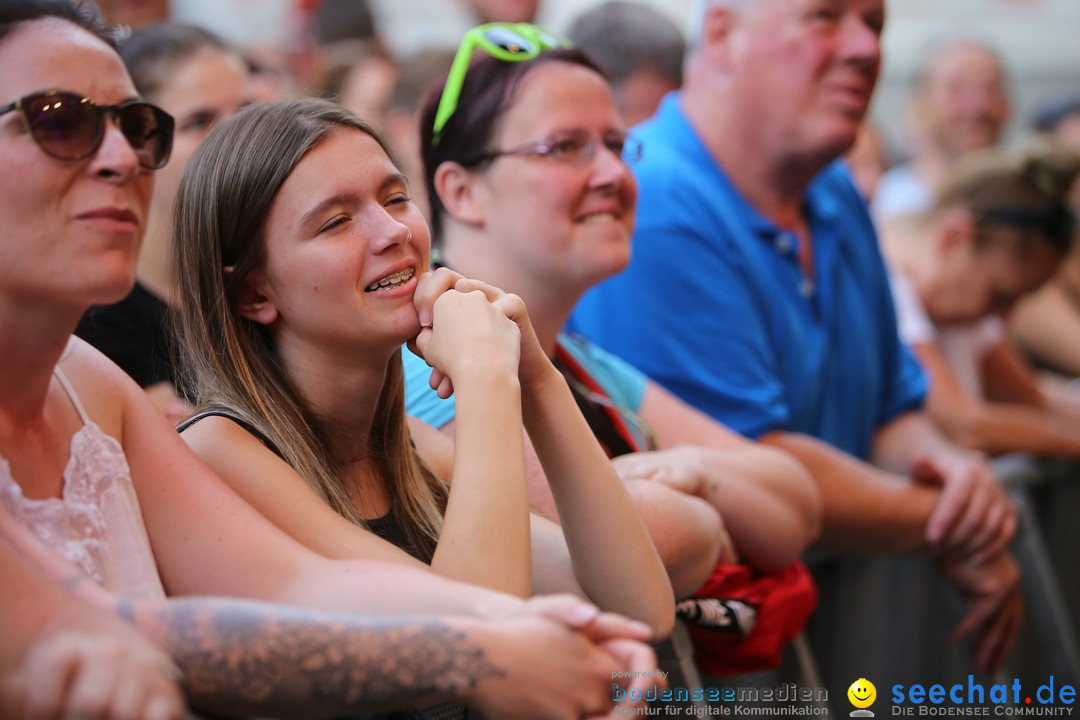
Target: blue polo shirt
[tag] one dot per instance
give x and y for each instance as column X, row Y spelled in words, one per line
column 715, row 307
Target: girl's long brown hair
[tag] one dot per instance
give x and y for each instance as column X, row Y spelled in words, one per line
column 224, row 199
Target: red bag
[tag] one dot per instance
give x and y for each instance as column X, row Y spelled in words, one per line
column 741, row 620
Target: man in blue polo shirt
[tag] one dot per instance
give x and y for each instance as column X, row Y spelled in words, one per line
column 757, row 292
column 733, row 322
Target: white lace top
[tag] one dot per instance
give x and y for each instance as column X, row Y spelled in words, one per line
column 96, row 523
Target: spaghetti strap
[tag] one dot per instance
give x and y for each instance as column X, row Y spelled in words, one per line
column 71, row 394
column 220, row 411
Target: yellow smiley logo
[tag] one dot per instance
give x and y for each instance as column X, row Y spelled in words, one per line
column 862, row 693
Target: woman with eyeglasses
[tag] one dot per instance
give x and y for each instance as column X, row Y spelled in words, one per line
column 194, row 76
column 525, row 159
column 303, row 268
column 91, row 468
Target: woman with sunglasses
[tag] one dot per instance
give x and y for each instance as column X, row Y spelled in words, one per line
column 525, row 162
column 194, row 76
column 90, row 466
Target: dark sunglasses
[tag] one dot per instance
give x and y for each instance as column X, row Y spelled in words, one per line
column 67, row 126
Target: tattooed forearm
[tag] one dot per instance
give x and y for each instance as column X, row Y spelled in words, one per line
column 252, row 658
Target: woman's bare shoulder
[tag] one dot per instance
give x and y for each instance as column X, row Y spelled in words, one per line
column 102, row 387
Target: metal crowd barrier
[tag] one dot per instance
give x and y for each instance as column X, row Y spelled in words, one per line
column 890, row 618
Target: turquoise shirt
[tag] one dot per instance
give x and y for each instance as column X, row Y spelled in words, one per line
column 624, row 384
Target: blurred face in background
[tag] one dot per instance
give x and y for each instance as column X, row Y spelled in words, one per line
column 368, row 87
column 640, row 93
column 964, row 102
column 975, row 280
column 203, row 91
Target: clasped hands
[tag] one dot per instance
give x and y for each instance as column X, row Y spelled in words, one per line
column 969, row 531
column 467, row 325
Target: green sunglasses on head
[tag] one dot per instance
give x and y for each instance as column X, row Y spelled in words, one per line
column 509, row 42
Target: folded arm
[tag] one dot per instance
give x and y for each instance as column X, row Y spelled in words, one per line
column 756, row 489
column 547, row 657
column 1022, row 423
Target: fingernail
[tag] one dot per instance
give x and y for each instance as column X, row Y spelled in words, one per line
column 425, row 319
column 583, row 614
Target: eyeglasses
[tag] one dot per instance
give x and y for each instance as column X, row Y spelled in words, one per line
column 509, row 42
column 69, row 127
column 573, row 147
